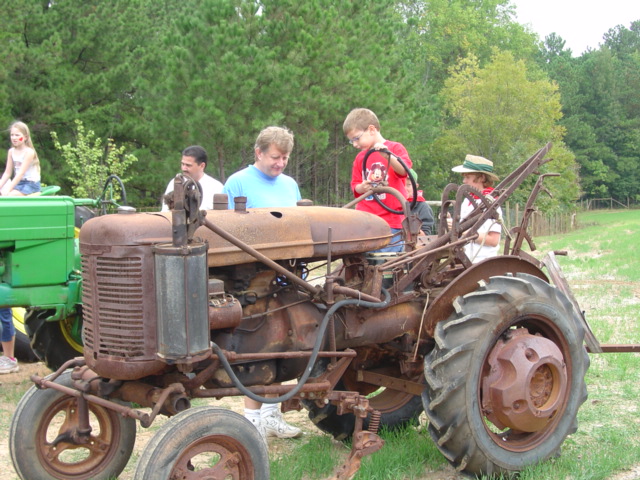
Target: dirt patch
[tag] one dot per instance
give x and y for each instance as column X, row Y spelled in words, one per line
column 633, row 474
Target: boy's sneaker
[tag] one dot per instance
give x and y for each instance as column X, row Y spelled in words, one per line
column 275, row 426
column 8, row 366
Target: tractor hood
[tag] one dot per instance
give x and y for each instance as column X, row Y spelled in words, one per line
column 278, row 233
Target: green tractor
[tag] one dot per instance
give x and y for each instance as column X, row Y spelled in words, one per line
column 40, row 268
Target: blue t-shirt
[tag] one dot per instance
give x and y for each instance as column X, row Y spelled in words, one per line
column 262, row 190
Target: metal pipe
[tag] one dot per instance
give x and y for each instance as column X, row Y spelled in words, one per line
column 122, row 409
column 261, row 390
column 350, row 292
column 609, row 348
column 236, row 357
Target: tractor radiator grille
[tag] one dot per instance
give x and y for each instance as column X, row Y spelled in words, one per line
column 113, row 306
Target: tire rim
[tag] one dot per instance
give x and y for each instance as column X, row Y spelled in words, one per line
column 524, row 386
column 64, row 457
column 215, row 456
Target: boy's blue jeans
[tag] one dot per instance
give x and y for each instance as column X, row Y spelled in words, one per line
column 395, row 245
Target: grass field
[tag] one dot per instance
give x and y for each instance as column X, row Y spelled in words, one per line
column 602, row 269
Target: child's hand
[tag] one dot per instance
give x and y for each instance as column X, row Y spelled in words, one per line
column 364, row 186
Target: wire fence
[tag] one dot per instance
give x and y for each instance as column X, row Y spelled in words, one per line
column 540, row 224
column 607, row 203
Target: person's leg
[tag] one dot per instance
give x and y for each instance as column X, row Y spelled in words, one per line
column 395, row 245
column 8, row 364
column 252, row 413
column 24, row 188
column 267, row 418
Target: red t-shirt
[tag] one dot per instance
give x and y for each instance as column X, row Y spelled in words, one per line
column 378, row 169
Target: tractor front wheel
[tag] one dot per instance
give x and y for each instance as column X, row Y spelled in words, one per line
column 205, row 442
column 45, row 440
column 397, row 407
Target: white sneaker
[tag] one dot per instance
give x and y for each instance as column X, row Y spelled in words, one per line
column 275, row 426
column 8, row 366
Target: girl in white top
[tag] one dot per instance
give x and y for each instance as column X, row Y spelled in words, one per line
column 23, row 160
column 477, row 172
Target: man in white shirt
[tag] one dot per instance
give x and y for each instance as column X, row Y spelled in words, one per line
column 194, row 161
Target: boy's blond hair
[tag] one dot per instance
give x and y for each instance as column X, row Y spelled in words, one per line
column 360, row 119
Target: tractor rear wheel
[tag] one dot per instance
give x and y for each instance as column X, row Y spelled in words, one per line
column 397, row 408
column 506, row 378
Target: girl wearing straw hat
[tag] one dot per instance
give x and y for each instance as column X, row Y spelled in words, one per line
column 477, row 172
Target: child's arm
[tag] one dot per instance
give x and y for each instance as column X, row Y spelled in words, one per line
column 7, row 171
column 28, row 160
column 488, row 239
column 358, row 184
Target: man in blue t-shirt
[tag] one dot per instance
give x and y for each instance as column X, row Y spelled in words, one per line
column 263, row 183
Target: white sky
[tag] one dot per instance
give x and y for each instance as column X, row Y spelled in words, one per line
column 580, row 23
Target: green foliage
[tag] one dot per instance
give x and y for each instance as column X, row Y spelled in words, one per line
column 454, row 29
column 602, row 112
column 304, row 65
column 91, row 163
column 159, row 76
column 504, row 112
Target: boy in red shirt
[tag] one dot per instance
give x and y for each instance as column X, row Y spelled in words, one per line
column 362, row 128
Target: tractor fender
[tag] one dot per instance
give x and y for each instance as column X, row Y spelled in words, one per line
column 442, row 306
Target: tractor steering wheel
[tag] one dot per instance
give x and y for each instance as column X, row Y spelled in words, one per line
column 109, row 197
column 407, row 169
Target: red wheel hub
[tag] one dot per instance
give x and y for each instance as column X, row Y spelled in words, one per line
column 526, row 384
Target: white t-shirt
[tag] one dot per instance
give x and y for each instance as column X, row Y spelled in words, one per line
column 475, row 251
column 210, row 186
column 33, row 172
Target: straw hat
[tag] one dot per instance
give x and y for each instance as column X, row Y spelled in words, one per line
column 476, row 164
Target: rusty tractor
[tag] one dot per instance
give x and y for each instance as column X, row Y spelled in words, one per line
column 287, row 301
